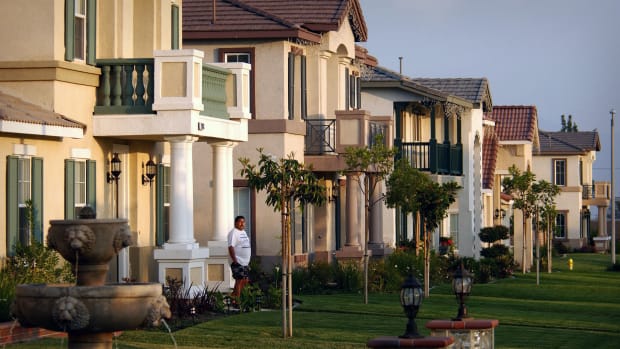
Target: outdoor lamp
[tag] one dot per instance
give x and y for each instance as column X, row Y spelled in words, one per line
column 151, row 171
column 227, row 302
column 500, row 213
column 115, row 169
column 259, row 301
column 411, row 295
column 461, row 285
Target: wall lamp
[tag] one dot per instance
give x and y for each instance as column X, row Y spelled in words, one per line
column 151, row 172
column 115, row 169
column 499, row 213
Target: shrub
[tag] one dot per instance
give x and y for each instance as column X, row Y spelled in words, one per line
column 559, row 248
column 492, row 234
column 495, row 251
column 312, row 279
column 348, row 277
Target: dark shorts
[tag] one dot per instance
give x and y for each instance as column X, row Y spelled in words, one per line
column 239, row 271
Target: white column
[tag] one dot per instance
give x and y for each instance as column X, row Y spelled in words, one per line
column 182, row 194
column 223, row 203
column 323, row 73
column 343, row 63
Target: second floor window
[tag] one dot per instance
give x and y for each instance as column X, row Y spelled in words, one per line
column 559, row 172
column 79, row 33
column 80, row 28
column 297, row 93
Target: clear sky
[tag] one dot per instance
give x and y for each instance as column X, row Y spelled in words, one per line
column 563, row 56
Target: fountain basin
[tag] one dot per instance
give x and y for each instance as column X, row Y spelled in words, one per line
column 92, row 309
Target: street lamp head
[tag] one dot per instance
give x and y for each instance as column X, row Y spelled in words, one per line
column 612, row 112
column 461, row 285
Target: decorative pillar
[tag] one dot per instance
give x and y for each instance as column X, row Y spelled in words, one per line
column 352, row 248
column 223, row 205
column 376, row 243
column 322, row 78
column 602, row 220
column 181, row 258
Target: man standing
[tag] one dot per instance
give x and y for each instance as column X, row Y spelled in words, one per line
column 240, row 252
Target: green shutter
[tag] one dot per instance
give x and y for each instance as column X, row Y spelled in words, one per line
column 69, row 30
column 91, row 184
column 358, row 86
column 12, row 209
column 37, row 198
column 291, row 86
column 159, row 205
column 174, row 30
column 347, row 88
column 91, row 31
column 69, row 189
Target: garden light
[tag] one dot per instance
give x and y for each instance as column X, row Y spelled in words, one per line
column 411, row 295
column 461, row 285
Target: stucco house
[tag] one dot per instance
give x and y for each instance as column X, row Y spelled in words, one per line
column 566, row 159
column 438, row 127
column 99, row 108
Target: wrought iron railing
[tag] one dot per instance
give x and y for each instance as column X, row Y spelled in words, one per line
column 125, row 86
column 434, row 157
column 416, row 154
column 587, row 192
column 320, row 136
column 375, row 129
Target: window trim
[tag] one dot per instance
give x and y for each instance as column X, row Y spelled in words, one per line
column 251, row 50
column 565, row 215
column 554, row 161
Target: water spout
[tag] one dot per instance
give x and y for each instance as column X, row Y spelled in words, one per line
column 163, row 321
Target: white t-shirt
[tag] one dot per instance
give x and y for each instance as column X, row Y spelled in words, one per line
column 240, row 241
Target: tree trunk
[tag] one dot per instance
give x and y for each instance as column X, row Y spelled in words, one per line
column 284, row 270
column 524, row 245
column 290, row 275
column 427, row 264
column 549, row 247
column 366, row 214
column 537, row 253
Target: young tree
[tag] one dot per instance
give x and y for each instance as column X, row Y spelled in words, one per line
column 286, row 182
column 375, row 162
column 519, row 185
column 545, row 193
column 414, row 191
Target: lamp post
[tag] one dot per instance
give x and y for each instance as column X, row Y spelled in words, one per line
column 461, row 285
column 114, row 175
column 613, row 193
column 411, row 295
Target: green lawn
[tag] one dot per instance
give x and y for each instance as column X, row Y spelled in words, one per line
column 570, row 309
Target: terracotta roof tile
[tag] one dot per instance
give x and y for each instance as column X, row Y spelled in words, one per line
column 490, row 146
column 253, row 18
column 15, row 109
column 515, row 122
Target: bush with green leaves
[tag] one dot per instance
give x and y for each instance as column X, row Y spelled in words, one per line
column 32, row 264
column 312, row 279
column 493, row 234
column 348, row 277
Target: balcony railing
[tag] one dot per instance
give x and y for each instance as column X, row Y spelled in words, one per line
column 320, row 136
column 214, row 91
column 599, row 190
column 375, row 129
column 434, row 157
column 125, row 86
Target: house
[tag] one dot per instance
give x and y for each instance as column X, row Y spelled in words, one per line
column 99, row 108
column 566, row 159
column 516, row 129
column 306, row 101
column 438, row 127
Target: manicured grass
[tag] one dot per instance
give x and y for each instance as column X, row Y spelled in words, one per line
column 569, row 309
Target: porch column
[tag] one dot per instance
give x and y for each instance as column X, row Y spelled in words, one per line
column 376, row 243
column 602, row 220
column 323, row 60
column 223, row 205
column 182, row 195
column 352, row 223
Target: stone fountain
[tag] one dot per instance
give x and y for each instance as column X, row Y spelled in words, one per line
column 90, row 311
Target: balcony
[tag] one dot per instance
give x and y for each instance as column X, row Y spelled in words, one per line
column 174, row 93
column 596, row 194
column 433, row 157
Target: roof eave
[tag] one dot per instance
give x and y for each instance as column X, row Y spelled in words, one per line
column 251, row 34
column 406, row 87
column 41, row 129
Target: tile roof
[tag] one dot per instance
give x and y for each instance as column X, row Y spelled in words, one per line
column 304, row 19
column 490, row 146
column 17, row 110
column 475, row 90
column 567, row 142
column 382, row 74
column 515, row 122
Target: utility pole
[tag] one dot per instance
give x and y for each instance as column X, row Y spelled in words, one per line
column 613, row 193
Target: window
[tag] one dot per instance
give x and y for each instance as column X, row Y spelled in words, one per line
column 80, row 186
column 559, row 172
column 352, row 88
column 560, row 225
column 300, row 229
column 24, row 201
column 454, row 229
column 241, row 55
column 162, row 225
column 80, row 30
column 241, row 203
column 297, row 98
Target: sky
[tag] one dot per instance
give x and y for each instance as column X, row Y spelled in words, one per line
column 563, row 56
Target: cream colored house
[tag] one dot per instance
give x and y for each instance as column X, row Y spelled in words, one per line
column 306, row 101
column 516, row 130
column 99, row 108
column 438, row 127
column 566, row 159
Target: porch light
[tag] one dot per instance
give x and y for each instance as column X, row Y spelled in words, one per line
column 499, row 213
column 115, row 169
column 411, row 295
column 461, row 285
column 151, row 171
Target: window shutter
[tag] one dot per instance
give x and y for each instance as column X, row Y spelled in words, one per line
column 175, row 28
column 91, row 184
column 346, row 88
column 352, row 91
column 37, row 198
column 358, row 87
column 69, row 30
column 69, row 189
column 12, row 210
column 291, row 86
column 91, row 32
column 304, row 89
column 159, row 205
